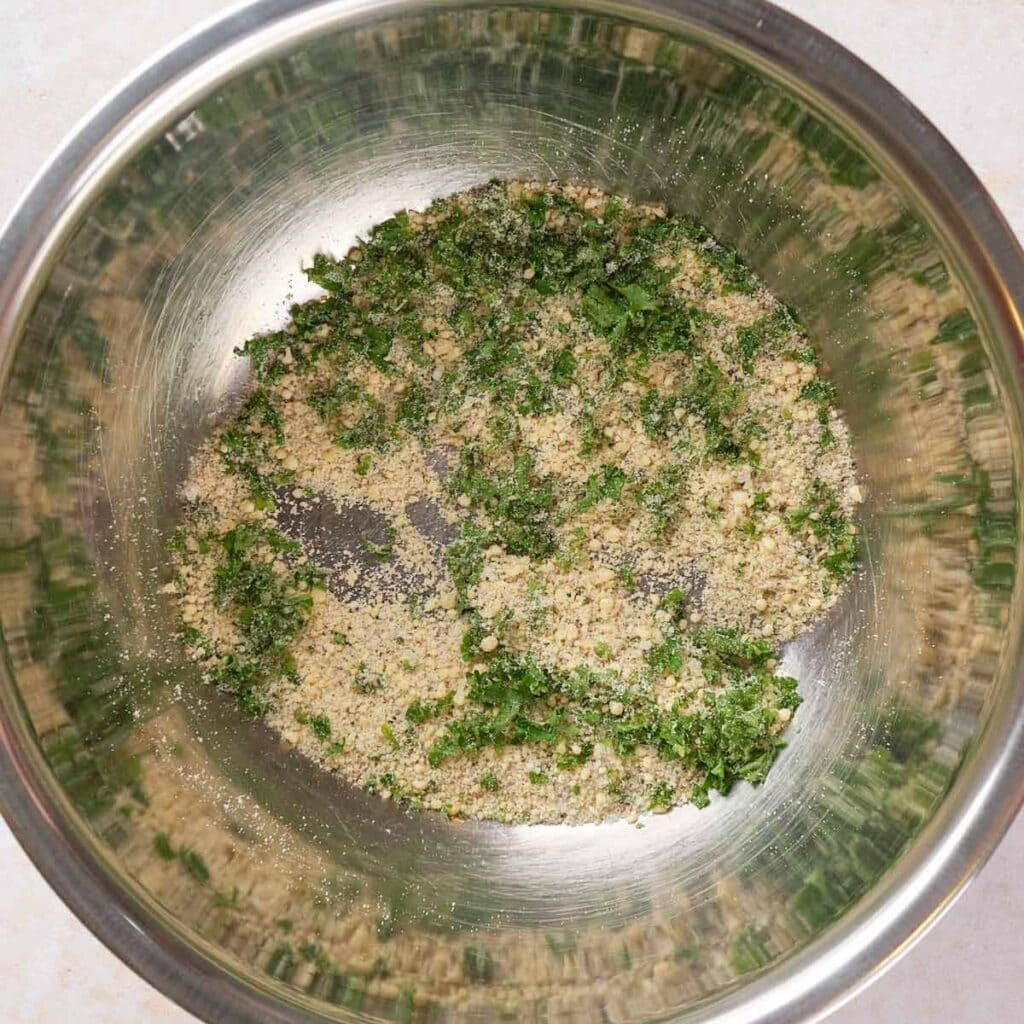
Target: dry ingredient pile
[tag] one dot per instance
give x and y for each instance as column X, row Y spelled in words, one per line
column 516, row 516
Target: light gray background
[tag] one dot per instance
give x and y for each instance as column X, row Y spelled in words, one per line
column 961, row 61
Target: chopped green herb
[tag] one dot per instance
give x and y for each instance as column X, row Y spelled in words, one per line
column 366, row 681
column 662, row 497
column 270, row 610
column 518, row 502
column 821, row 514
column 245, row 446
column 563, row 369
column 764, row 334
column 661, row 796
column 516, row 342
column 606, row 484
column 574, row 759
column 420, row 711
column 321, row 726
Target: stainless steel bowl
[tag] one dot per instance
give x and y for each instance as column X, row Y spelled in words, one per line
column 223, row 867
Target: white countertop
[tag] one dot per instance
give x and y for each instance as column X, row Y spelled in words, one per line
column 960, row 61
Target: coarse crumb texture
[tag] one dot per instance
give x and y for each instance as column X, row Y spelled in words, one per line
column 516, row 516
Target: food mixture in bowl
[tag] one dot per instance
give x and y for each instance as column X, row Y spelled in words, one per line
column 516, row 517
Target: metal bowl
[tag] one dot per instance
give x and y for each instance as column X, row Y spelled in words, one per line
column 230, row 872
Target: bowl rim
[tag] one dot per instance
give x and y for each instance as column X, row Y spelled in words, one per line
column 989, row 787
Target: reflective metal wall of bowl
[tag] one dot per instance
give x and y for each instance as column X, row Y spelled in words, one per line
column 316, row 890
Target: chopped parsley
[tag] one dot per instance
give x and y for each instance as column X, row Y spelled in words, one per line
column 366, row 681
column 764, row 334
column 604, row 485
column 420, row 711
column 661, row 796
column 321, row 726
column 821, row 515
column 729, row 736
column 246, row 445
column 493, row 336
column 269, row 609
column 823, row 394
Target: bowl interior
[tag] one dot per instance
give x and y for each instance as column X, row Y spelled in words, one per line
column 327, row 900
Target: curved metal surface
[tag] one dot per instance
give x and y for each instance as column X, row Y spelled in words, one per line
column 173, row 225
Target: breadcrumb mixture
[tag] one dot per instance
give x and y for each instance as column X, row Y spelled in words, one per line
column 518, row 514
